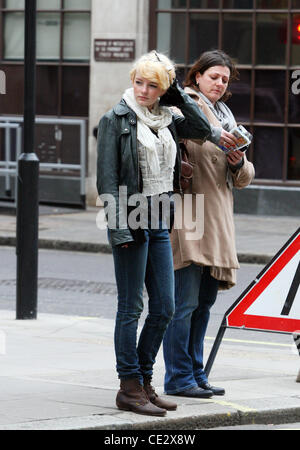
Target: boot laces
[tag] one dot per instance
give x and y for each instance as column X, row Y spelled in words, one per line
column 150, row 390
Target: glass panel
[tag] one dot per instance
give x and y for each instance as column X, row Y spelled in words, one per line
column 239, row 102
column 70, row 144
column 47, row 90
column 294, row 154
column 294, row 98
column 45, row 4
column 14, row 4
column 77, row 34
column 2, row 141
column 53, row 4
column 237, row 37
column 296, row 4
column 171, row 4
column 295, row 49
column 204, row 31
column 171, row 35
column 271, row 4
column 47, row 147
column 238, row 4
column 14, row 25
column 268, row 153
column 57, row 144
column 48, row 34
column 269, row 95
column 77, row 4
column 204, row 4
column 75, row 88
column 13, row 101
column 271, row 38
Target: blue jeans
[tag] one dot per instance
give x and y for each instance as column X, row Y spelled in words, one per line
column 151, row 263
column 195, row 293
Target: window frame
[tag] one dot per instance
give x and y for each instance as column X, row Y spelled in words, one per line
column 252, row 67
column 60, row 63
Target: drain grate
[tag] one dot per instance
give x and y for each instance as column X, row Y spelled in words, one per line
column 87, row 287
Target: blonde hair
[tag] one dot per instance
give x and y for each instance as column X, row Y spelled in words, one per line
column 155, row 67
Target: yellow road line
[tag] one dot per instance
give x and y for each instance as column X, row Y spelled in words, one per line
column 244, row 341
column 232, row 405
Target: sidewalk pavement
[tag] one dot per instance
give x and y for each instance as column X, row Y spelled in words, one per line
column 57, row 372
column 258, row 238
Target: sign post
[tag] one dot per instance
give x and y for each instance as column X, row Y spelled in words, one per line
column 271, row 302
column 28, row 178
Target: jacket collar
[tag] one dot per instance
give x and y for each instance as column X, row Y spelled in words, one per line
column 121, row 109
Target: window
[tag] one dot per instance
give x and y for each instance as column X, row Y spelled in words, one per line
column 271, row 38
column 63, row 54
column 237, row 36
column 203, row 34
column 263, row 37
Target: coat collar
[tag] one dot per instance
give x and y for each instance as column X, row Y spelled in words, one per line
column 121, row 109
column 203, row 105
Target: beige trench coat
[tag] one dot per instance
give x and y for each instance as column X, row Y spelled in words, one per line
column 212, row 178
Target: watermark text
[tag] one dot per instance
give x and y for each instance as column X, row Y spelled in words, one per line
column 296, row 83
column 178, row 211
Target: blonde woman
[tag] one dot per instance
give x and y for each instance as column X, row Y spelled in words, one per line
column 138, row 151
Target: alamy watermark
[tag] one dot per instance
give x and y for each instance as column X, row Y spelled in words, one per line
column 2, row 343
column 123, row 212
column 296, row 83
column 2, row 82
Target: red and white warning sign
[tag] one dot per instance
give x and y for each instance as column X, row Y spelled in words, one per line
column 272, row 301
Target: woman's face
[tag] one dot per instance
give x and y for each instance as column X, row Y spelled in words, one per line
column 213, row 82
column 146, row 92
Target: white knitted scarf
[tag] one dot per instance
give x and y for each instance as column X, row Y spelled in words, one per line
column 158, row 119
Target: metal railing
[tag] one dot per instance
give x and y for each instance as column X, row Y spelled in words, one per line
column 10, row 167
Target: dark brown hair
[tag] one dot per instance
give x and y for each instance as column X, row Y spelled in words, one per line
column 209, row 59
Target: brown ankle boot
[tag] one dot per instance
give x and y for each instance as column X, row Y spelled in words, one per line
column 132, row 397
column 155, row 399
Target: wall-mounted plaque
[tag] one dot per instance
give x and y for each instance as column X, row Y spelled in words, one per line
column 114, row 50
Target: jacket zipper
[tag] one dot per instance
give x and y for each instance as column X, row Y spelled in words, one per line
column 137, row 159
column 138, row 166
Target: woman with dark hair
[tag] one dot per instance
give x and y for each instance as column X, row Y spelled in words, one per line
column 207, row 263
column 206, row 61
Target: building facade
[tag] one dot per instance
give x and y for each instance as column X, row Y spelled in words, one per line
column 85, row 49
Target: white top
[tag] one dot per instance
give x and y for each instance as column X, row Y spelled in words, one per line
column 156, row 149
column 155, row 182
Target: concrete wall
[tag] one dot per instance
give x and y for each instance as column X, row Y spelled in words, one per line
column 267, row 201
column 117, row 19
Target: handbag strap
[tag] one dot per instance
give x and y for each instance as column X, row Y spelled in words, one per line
column 184, row 152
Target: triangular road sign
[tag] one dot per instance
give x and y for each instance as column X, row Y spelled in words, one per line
column 272, row 301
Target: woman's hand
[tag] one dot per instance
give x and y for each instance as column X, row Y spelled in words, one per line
column 234, row 157
column 228, row 140
column 172, row 97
